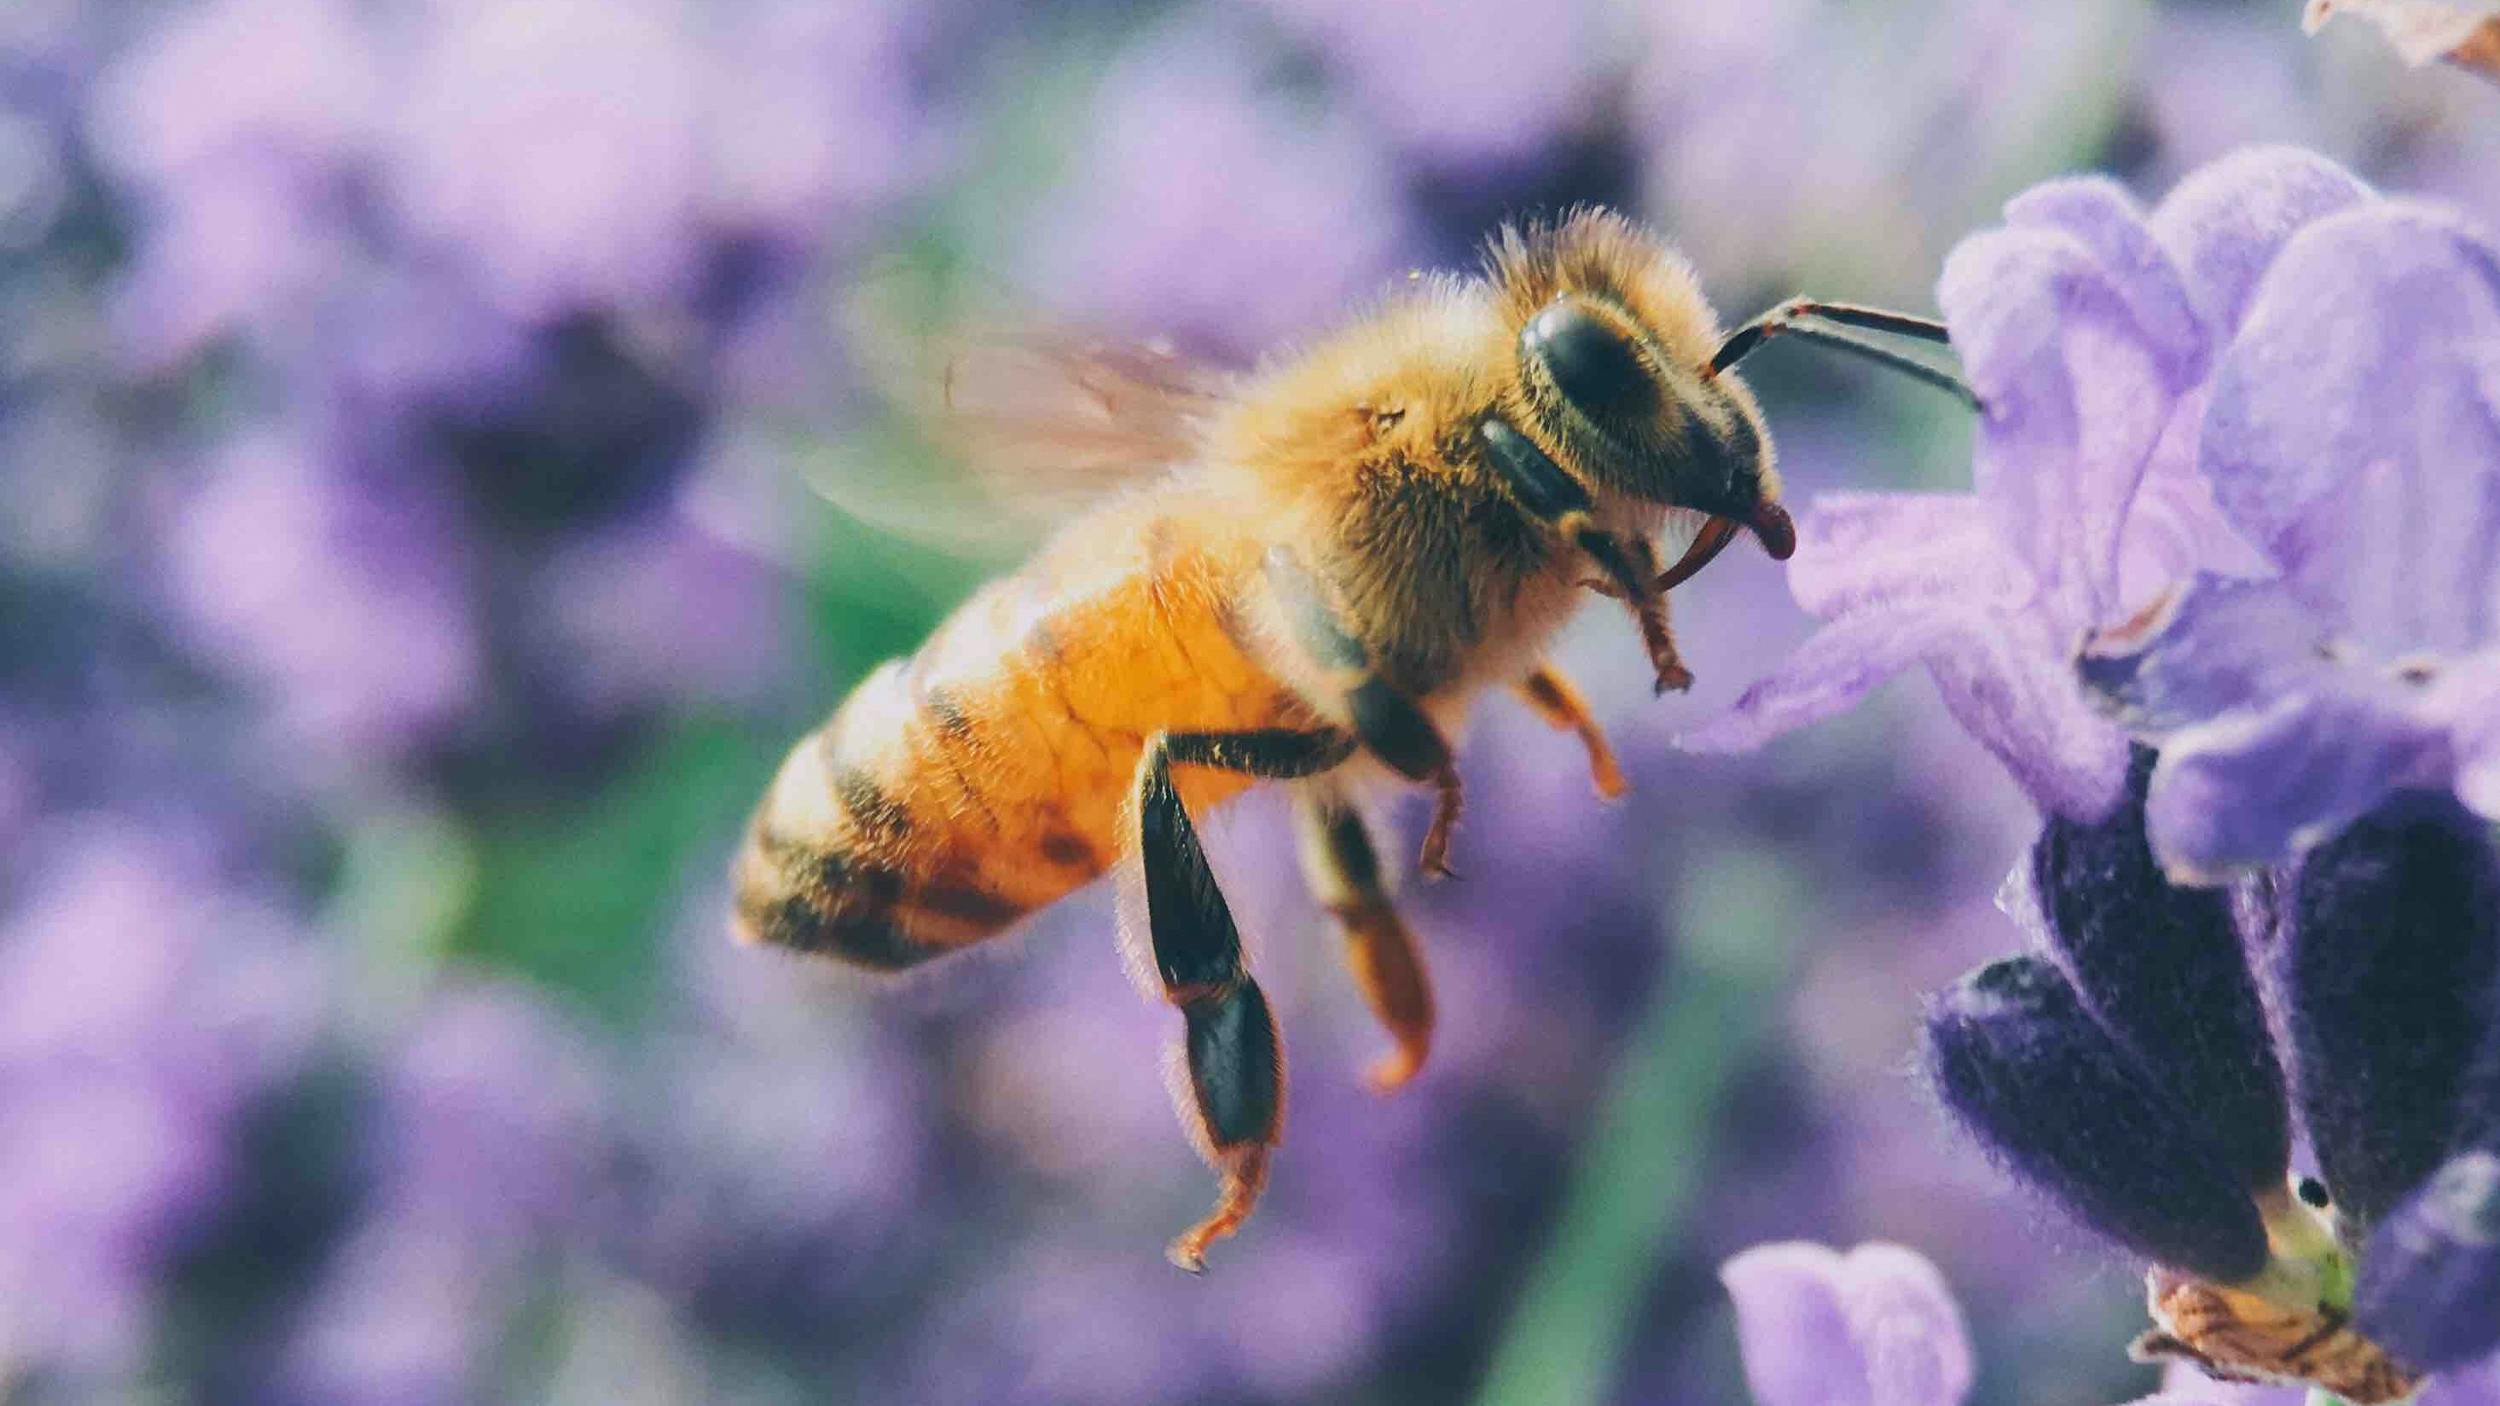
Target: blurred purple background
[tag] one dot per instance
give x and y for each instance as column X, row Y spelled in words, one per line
column 412, row 417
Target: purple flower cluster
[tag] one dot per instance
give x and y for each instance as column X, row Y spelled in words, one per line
column 489, row 277
column 148, row 1009
column 484, row 1147
column 2127, row 1070
column 2235, row 493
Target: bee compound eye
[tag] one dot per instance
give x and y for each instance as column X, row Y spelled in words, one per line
column 1591, row 363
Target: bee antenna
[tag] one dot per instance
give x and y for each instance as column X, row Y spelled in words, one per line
column 1829, row 324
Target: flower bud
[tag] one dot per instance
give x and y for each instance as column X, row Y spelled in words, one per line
column 2162, row 969
column 2395, row 933
column 2026, row 1069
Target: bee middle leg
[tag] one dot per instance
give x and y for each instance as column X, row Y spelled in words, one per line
column 1560, row 704
column 1389, row 724
column 1233, row 1099
column 1344, row 873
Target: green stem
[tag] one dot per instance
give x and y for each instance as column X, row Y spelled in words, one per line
column 1647, row 1148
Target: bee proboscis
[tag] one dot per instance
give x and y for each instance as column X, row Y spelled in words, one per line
column 1308, row 576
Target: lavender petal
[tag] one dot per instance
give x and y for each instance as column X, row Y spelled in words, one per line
column 1907, row 1326
column 2430, row 1277
column 2099, row 214
column 1793, row 1327
column 2000, row 680
column 2215, row 646
column 2354, row 434
column 2224, row 222
column 1860, row 550
column 2077, row 397
column 2252, row 789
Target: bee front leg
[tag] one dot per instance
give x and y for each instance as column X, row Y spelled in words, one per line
column 1627, row 567
column 1232, row 1101
column 1344, row 872
column 1560, row 704
column 1631, row 575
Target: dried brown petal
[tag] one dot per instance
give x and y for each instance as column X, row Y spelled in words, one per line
column 2463, row 32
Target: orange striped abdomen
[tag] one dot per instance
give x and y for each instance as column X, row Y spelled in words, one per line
column 955, row 792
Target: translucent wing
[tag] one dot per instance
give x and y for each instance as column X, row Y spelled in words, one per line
column 987, row 438
column 1049, row 424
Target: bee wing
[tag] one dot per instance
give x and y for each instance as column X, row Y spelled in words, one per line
column 1052, row 424
column 992, row 438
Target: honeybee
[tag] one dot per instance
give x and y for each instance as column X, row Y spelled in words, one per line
column 1305, row 575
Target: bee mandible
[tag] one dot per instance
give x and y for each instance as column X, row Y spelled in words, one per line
column 1303, row 575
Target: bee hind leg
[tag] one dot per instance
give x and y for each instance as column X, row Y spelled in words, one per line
column 1231, row 1095
column 1344, row 872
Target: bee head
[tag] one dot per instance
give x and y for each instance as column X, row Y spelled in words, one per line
column 1614, row 345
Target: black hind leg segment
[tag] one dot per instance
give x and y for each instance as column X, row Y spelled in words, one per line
column 1232, row 1099
column 1344, row 872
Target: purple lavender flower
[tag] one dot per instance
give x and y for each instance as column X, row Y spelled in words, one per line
column 2353, row 436
column 2222, row 441
column 341, row 595
column 246, row 181
column 1874, row 1327
column 2130, row 1076
column 145, row 1006
column 1809, row 134
column 488, row 1141
column 1458, row 85
column 659, row 606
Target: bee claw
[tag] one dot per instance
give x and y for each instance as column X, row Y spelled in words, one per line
column 1244, row 1177
column 1674, row 678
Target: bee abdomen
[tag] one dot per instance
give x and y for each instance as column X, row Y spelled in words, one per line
column 855, row 857
column 819, row 902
